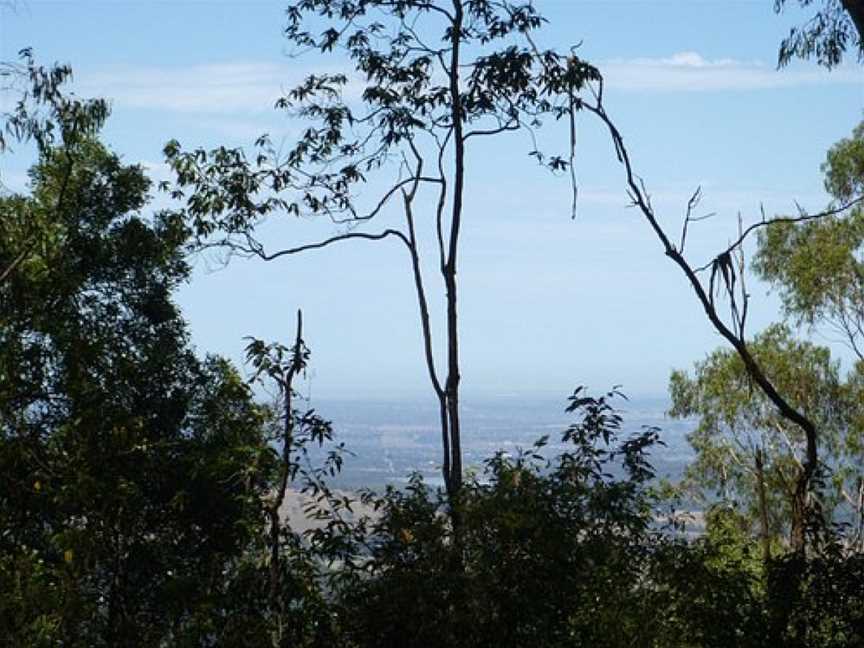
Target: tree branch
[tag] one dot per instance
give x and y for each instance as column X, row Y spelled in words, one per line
column 804, row 217
column 334, row 239
column 509, row 126
column 384, row 199
column 787, row 410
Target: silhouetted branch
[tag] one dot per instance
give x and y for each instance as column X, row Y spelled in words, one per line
column 383, row 201
column 722, row 266
column 692, row 204
column 259, row 251
column 509, row 126
column 296, row 365
column 804, row 217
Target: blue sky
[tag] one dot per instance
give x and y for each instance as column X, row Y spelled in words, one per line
column 547, row 302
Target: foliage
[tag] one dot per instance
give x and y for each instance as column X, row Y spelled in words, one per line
column 407, row 107
column 433, row 78
column 140, row 487
column 131, row 473
column 560, row 552
column 533, row 535
column 738, row 428
column 44, row 112
column 817, row 601
column 815, row 265
column 836, row 27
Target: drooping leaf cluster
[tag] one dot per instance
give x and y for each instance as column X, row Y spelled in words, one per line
column 836, row 28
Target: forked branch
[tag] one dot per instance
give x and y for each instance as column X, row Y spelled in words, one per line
column 802, row 217
column 803, row 506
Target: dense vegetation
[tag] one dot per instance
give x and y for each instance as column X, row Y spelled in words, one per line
column 141, row 485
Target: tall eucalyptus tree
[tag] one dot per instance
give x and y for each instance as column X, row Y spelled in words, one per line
column 433, row 77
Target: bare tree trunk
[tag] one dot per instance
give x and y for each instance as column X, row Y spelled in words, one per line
column 426, row 330
column 797, row 537
column 859, row 512
column 285, row 467
column 449, row 270
column 16, row 262
column 763, row 506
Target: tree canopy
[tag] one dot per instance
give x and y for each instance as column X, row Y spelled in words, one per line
column 131, row 472
column 143, row 487
column 815, row 263
column 433, row 77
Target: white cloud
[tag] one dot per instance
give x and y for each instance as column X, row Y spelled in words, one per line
column 216, row 89
column 691, row 72
column 687, row 60
column 251, row 88
column 223, row 88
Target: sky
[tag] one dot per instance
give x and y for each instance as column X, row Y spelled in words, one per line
column 547, row 302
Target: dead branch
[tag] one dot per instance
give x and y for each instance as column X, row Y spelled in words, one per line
column 724, row 268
